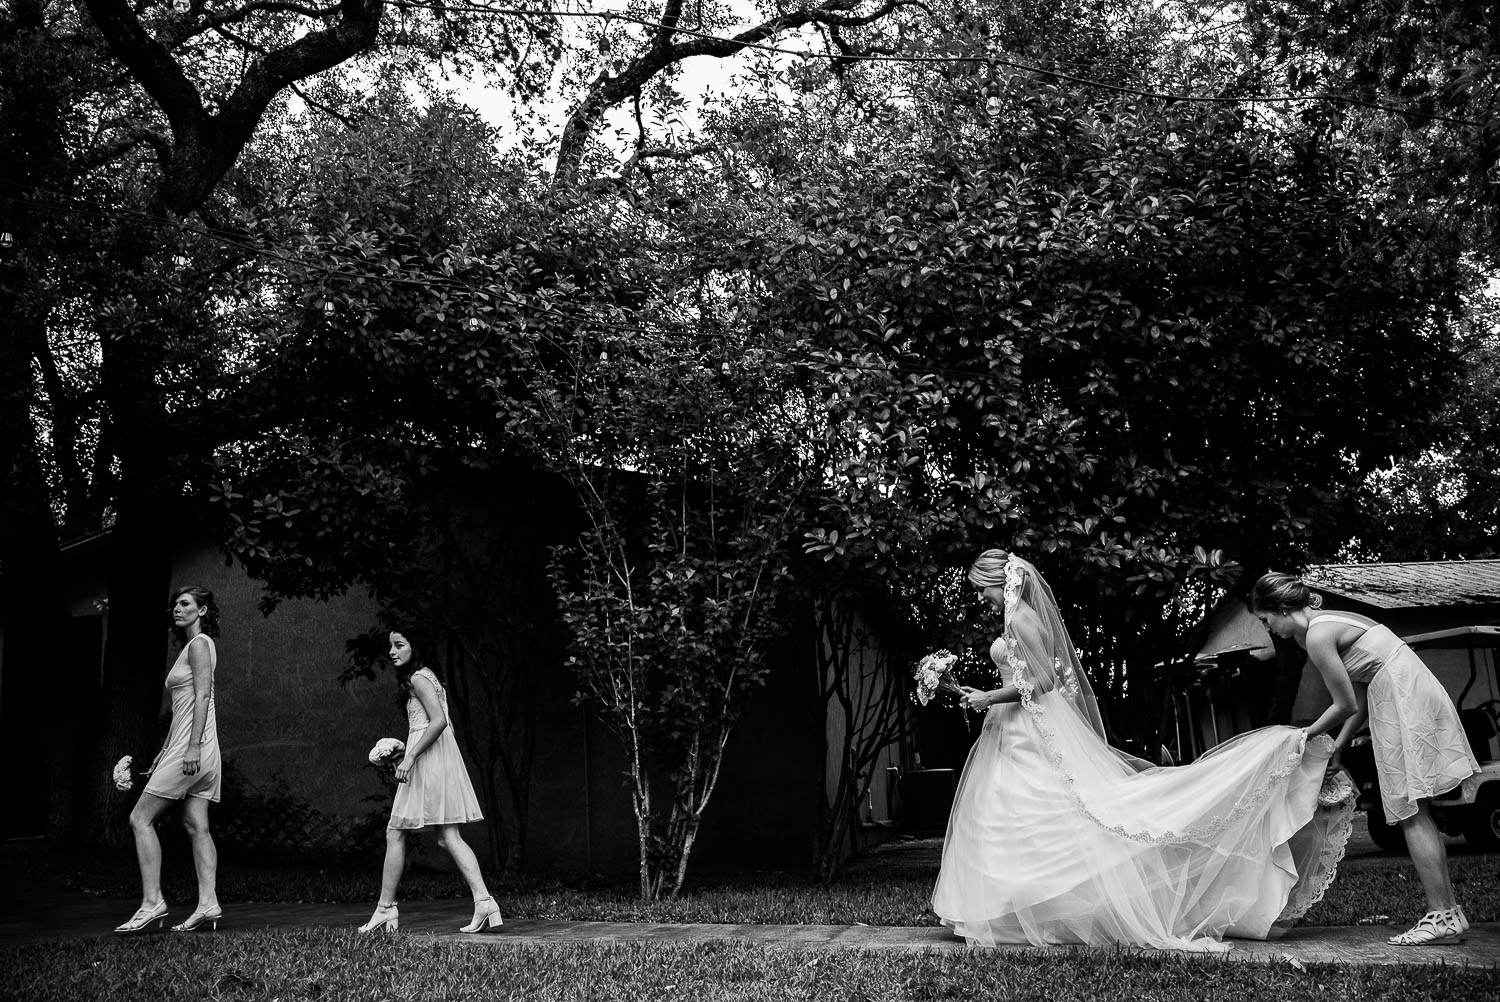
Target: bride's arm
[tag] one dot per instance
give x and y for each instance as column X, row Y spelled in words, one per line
column 982, row 699
column 1028, row 632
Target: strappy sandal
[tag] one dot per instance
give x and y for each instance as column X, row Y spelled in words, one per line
column 1437, row 928
column 484, row 918
column 144, row 916
column 199, row 919
column 386, row 916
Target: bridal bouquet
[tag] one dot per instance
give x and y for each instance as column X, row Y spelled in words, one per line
column 934, row 674
column 385, row 750
column 1337, row 789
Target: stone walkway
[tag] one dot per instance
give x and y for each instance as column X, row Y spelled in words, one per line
column 50, row 914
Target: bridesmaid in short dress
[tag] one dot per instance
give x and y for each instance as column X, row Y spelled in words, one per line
column 433, row 791
column 1420, row 746
column 187, row 769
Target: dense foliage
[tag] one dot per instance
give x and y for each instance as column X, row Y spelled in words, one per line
column 747, row 361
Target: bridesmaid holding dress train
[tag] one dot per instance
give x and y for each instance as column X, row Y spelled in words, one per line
column 1420, row 747
column 433, row 791
column 187, row 769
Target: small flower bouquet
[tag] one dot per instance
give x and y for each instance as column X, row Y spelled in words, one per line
column 123, row 777
column 934, row 675
column 1337, row 789
column 386, row 750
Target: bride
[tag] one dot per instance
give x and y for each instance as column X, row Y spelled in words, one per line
column 1055, row 837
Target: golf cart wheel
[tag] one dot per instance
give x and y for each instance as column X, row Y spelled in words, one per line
column 1388, row 836
column 1483, row 828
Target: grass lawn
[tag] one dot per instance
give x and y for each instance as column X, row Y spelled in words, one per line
column 870, row 892
column 316, row 964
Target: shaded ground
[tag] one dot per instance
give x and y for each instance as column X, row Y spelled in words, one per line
column 45, row 911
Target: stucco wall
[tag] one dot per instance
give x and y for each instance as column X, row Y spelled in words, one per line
column 284, row 719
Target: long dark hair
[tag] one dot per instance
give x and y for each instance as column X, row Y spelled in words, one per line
column 209, row 612
column 421, row 657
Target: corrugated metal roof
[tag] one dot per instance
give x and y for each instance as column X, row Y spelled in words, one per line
column 1400, row 586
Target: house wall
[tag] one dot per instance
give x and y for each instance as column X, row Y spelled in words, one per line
column 285, row 721
column 288, row 727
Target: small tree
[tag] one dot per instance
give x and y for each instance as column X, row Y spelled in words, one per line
column 675, row 586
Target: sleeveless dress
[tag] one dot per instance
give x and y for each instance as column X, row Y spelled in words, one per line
column 167, row 779
column 1081, row 846
column 437, row 791
column 1420, row 746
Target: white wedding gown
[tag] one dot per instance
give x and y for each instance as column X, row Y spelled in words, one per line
column 1055, row 837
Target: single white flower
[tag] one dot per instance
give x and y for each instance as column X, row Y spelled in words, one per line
column 122, row 777
column 386, row 749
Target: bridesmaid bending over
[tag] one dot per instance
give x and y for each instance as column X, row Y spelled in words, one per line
column 187, row 768
column 1420, row 747
column 433, row 791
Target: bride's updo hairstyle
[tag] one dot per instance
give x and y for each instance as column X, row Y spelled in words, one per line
column 989, row 569
column 1282, row 593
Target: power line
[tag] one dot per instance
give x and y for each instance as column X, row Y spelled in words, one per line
column 993, row 60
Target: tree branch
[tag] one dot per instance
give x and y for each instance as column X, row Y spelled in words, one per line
column 608, row 91
column 240, row 13
column 350, row 123
column 134, row 135
column 204, row 146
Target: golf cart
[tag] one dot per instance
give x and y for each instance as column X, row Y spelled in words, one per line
column 1472, row 809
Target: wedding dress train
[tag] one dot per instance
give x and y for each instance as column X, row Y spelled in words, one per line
column 1055, row 837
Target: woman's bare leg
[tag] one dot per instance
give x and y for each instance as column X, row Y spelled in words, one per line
column 148, row 846
column 468, row 865
column 205, row 853
column 1429, row 856
column 395, row 864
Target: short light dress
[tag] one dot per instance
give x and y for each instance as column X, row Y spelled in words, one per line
column 1420, row 746
column 167, row 779
column 437, row 791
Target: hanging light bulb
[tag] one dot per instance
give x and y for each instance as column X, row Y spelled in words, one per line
column 180, row 260
column 328, row 307
column 809, row 97
column 7, row 240
column 992, row 107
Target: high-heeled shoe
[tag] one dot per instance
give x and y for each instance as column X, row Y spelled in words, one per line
column 387, row 915
column 484, row 918
column 144, row 916
column 198, row 919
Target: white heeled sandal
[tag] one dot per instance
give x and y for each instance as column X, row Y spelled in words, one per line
column 387, row 915
column 144, row 916
column 484, row 918
column 201, row 918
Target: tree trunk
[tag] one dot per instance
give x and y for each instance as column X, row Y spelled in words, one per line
column 138, row 571
column 34, row 672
